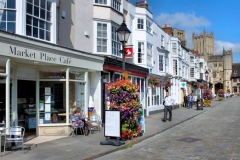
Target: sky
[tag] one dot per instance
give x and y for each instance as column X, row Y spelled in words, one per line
column 222, row 17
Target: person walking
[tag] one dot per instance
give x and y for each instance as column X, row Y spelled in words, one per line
column 190, row 101
column 194, row 99
column 185, row 98
column 168, row 102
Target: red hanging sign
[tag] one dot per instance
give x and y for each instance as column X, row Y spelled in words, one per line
column 129, row 51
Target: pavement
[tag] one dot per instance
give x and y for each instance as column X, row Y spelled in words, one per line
column 88, row 147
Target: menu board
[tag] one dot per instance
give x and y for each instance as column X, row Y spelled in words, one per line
column 112, row 124
column 58, row 95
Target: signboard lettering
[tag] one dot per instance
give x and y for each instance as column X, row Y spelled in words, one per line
column 22, row 53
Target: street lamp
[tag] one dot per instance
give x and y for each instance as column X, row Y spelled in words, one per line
column 206, row 75
column 123, row 35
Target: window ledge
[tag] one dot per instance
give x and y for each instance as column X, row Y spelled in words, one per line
column 54, row 124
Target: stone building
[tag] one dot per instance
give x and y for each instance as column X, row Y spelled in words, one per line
column 221, row 66
column 235, row 78
column 176, row 33
column 204, row 44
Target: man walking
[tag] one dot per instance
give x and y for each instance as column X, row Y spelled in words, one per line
column 168, row 102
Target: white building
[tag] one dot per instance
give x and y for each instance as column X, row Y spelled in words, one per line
column 41, row 81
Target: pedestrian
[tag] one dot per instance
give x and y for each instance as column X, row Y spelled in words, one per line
column 190, row 100
column 168, row 102
column 185, row 98
column 194, row 99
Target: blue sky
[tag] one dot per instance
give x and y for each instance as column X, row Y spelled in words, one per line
column 220, row 16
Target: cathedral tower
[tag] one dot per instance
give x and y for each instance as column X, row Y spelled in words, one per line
column 203, row 44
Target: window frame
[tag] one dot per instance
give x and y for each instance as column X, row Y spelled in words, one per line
column 140, row 23
column 175, row 67
column 6, row 12
column 38, row 24
column 160, row 62
column 102, row 38
column 174, row 48
column 192, row 69
column 101, row 2
column 116, row 45
column 140, row 52
column 116, row 4
column 149, row 26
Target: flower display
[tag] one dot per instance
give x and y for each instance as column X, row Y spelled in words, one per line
column 123, row 96
column 220, row 94
column 154, row 82
column 196, row 85
column 168, row 84
column 207, row 96
column 228, row 90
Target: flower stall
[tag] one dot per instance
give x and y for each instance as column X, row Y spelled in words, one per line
column 220, row 94
column 123, row 96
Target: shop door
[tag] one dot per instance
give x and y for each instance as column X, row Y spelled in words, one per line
column 2, row 99
column 104, row 102
column 26, row 106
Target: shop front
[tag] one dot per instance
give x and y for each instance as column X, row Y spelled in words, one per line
column 40, row 83
column 155, row 93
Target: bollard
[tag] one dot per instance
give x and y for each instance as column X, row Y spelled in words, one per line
column 199, row 104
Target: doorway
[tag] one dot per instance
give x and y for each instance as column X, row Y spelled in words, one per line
column 26, row 106
column 2, row 100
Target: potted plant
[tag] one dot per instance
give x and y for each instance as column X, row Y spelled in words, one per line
column 207, row 96
column 123, row 96
column 168, row 84
column 154, row 82
column 220, row 94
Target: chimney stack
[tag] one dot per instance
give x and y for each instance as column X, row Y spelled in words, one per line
column 142, row 4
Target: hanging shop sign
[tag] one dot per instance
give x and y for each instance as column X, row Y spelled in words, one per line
column 183, row 84
column 129, row 51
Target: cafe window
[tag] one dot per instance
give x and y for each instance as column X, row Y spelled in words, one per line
column 76, row 96
column 2, row 66
column 52, row 108
column 52, row 74
column 75, row 75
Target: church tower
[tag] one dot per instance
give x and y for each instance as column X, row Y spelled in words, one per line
column 203, row 44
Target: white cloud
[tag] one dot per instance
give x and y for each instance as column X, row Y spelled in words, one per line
column 182, row 20
column 227, row 46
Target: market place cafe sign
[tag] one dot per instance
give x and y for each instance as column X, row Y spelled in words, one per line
column 40, row 56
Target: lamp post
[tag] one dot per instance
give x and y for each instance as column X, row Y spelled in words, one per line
column 123, row 35
column 206, row 75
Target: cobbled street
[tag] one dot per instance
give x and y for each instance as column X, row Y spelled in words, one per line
column 214, row 134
